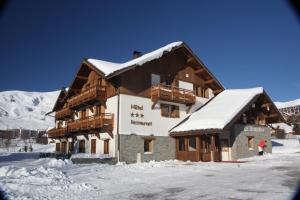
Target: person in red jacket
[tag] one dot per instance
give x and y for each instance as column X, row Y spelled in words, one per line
column 261, row 145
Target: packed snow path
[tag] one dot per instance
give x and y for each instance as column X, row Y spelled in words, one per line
column 268, row 177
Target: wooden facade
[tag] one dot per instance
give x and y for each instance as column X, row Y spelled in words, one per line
column 199, row 147
column 81, row 110
column 90, row 89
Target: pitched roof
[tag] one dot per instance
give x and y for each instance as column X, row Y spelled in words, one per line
column 109, row 68
column 220, row 111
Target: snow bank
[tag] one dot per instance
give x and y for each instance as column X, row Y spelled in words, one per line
column 57, row 163
column 42, row 179
column 285, row 145
column 89, row 155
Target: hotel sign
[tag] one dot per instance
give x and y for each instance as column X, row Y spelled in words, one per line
column 137, row 115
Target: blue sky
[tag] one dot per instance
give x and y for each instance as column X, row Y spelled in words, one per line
column 244, row 43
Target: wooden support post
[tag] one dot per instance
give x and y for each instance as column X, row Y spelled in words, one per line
column 212, row 147
column 189, row 108
column 154, row 103
column 197, row 148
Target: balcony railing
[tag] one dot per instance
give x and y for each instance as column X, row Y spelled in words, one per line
column 93, row 93
column 57, row 132
column 173, row 94
column 104, row 120
column 63, row 113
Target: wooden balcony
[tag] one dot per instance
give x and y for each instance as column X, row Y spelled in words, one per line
column 92, row 94
column 103, row 121
column 64, row 113
column 57, row 132
column 172, row 94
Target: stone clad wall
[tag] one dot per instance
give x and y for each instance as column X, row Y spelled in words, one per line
column 239, row 137
column 131, row 145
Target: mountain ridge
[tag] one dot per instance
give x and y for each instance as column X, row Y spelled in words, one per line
column 27, row 110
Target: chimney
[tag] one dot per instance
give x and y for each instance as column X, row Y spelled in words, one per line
column 136, row 54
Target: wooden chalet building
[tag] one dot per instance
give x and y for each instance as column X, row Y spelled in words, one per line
column 140, row 110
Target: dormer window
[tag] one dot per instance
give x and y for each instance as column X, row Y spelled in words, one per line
column 155, row 79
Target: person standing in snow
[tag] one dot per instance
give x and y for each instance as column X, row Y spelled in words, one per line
column 261, row 145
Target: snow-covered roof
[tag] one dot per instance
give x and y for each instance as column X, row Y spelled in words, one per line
column 109, row 68
column 217, row 113
column 288, row 104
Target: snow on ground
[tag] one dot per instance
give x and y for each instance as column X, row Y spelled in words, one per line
column 272, row 176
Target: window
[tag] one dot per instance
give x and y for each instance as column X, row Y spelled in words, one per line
column 155, row 79
column 186, row 85
column 181, row 144
column 171, row 111
column 148, row 145
column 250, row 143
column 192, row 143
column 106, row 146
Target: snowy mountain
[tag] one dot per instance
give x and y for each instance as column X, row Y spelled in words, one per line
column 20, row 109
column 288, row 103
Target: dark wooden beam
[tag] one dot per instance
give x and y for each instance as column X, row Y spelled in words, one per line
column 217, row 91
column 82, row 77
column 190, row 59
column 272, row 115
column 198, row 71
column 209, row 81
column 75, row 90
column 265, row 105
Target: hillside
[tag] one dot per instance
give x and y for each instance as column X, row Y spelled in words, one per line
column 288, row 103
column 20, row 109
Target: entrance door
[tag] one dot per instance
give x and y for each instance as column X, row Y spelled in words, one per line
column 57, row 147
column 71, row 147
column 81, row 146
column 205, row 151
column 106, row 147
column 224, row 149
column 63, row 147
column 93, row 146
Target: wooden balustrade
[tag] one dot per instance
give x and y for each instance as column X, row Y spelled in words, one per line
column 173, row 94
column 64, row 113
column 91, row 94
column 105, row 121
column 92, row 122
column 57, row 132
